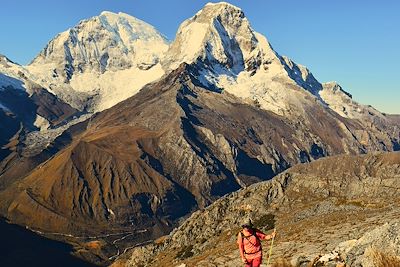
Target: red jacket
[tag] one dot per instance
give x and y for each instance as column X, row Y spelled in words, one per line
column 250, row 245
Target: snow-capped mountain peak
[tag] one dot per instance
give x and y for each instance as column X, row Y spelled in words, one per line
column 222, row 5
column 101, row 61
column 108, row 41
column 219, row 34
column 342, row 103
column 335, row 87
column 232, row 56
column 13, row 75
column 5, row 60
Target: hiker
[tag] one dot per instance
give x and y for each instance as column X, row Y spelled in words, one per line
column 249, row 241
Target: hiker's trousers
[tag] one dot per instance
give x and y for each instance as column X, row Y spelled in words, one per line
column 254, row 262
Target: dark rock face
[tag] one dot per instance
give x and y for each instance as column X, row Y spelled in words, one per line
column 12, row 125
column 18, row 121
column 38, row 102
column 52, row 108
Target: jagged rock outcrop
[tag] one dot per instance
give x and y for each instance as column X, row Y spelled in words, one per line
column 379, row 247
column 376, row 248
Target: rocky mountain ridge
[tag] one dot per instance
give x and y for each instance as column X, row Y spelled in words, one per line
column 26, row 107
column 314, row 207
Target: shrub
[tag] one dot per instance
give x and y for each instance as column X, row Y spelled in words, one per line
column 267, row 222
column 185, row 252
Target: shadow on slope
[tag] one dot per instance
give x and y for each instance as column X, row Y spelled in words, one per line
column 20, row 247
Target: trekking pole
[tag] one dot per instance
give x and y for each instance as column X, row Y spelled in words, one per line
column 270, row 249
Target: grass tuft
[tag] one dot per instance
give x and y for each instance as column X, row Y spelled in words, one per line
column 383, row 260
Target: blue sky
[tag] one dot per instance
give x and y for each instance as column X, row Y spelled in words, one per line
column 356, row 43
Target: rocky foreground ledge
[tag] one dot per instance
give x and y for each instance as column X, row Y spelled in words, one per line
column 379, row 247
column 335, row 210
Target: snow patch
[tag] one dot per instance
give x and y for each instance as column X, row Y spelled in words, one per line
column 41, row 123
column 10, row 80
column 4, row 108
column 111, row 212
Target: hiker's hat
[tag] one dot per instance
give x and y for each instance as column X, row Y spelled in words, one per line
column 247, row 223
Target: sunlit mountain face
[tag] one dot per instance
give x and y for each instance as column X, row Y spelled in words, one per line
column 113, row 135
